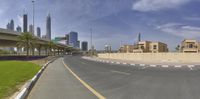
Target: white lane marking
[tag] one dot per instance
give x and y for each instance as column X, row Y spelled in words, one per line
column 120, row 72
column 191, row 67
column 83, row 63
column 117, row 62
column 132, row 64
column 143, row 67
column 124, row 63
column 165, row 66
column 152, row 65
column 142, row 64
column 178, row 66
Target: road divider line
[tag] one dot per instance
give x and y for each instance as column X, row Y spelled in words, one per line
column 119, row 72
column 178, row 66
column 165, row 65
column 142, row 64
column 152, row 65
column 124, row 63
column 132, row 64
column 84, row 83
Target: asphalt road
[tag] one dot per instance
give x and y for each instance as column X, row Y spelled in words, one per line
column 116, row 81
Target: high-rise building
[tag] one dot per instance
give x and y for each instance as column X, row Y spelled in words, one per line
column 31, row 28
column 84, row 46
column 19, row 29
column 78, row 44
column 38, row 32
column 8, row 26
column 108, row 48
column 73, row 39
column 48, row 27
column 67, row 39
column 25, row 23
column 12, row 26
column 44, row 36
column 139, row 37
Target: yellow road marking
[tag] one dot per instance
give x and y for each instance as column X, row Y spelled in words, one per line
column 84, row 83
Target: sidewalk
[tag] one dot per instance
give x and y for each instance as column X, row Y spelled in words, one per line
column 56, row 82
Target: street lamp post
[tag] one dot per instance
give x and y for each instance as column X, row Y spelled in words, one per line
column 33, row 2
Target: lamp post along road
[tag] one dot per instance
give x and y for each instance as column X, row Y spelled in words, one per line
column 33, row 16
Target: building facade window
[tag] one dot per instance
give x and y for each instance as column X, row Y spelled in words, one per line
column 154, row 47
column 190, row 45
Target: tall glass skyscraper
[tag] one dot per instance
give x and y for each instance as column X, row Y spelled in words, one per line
column 38, row 32
column 12, row 26
column 48, row 27
column 84, row 46
column 73, row 39
column 31, row 29
column 25, row 23
column 19, row 29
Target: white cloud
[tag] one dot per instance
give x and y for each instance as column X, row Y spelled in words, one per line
column 180, row 30
column 155, row 5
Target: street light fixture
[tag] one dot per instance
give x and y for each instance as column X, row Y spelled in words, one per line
column 33, row 2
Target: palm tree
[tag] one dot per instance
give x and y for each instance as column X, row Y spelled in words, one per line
column 51, row 46
column 39, row 47
column 26, row 40
column 177, row 48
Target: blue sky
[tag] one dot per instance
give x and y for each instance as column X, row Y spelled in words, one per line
column 112, row 21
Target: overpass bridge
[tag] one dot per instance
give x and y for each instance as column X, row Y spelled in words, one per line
column 9, row 38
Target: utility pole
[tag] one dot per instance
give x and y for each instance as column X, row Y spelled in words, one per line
column 91, row 38
column 33, row 2
column 91, row 46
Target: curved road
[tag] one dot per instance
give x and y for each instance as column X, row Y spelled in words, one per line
column 115, row 81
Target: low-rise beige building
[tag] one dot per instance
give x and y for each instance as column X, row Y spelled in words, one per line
column 150, row 47
column 190, row 46
column 126, row 49
column 156, row 47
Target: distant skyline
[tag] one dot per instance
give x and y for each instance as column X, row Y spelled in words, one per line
column 112, row 21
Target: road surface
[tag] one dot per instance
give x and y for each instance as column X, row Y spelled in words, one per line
column 115, row 81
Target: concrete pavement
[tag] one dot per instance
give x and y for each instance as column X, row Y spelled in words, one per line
column 115, row 81
column 56, row 82
column 121, row 81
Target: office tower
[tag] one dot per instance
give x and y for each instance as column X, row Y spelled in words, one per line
column 84, row 46
column 12, row 26
column 31, row 28
column 78, row 44
column 139, row 37
column 107, row 48
column 73, row 39
column 38, row 32
column 48, row 27
column 67, row 39
column 25, row 23
column 8, row 26
column 44, row 36
column 19, row 29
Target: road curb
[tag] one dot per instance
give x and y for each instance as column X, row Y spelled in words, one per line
column 23, row 93
column 142, row 65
